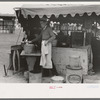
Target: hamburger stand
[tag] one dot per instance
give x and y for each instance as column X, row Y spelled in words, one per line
column 72, row 56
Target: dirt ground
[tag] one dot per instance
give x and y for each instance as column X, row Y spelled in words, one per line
column 6, row 41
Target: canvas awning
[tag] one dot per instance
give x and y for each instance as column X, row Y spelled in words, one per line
column 58, row 9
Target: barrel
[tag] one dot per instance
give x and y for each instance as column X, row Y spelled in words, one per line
column 57, row 79
column 29, row 48
column 74, row 75
column 35, row 77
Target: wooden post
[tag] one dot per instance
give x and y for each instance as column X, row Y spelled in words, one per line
column 5, row 70
column 3, row 26
column 84, row 38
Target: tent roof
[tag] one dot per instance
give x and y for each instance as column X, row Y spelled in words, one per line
column 64, row 9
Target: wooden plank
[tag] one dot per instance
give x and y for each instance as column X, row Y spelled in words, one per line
column 31, row 54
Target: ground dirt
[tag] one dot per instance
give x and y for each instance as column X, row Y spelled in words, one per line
column 6, row 41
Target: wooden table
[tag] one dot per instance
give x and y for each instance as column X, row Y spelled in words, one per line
column 35, row 54
column 31, row 59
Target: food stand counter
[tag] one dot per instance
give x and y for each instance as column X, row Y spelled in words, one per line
column 61, row 58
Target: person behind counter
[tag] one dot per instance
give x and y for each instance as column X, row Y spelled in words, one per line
column 46, row 45
column 47, row 37
column 63, row 40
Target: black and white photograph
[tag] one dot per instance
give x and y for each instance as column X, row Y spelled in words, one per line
column 43, row 42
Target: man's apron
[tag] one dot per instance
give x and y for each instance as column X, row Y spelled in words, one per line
column 46, row 51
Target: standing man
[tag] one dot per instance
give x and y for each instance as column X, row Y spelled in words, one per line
column 46, row 45
column 47, row 36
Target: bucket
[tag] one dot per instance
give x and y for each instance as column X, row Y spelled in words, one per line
column 35, row 77
column 29, row 48
column 57, row 79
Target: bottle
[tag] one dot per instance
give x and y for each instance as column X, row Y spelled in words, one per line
column 75, row 27
column 26, row 41
column 72, row 25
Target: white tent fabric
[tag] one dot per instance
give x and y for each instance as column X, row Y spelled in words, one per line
column 59, row 9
